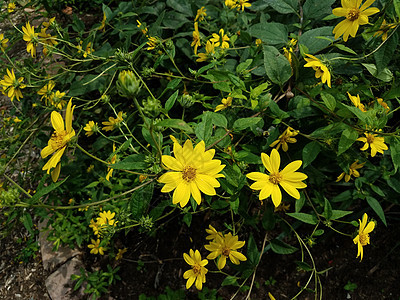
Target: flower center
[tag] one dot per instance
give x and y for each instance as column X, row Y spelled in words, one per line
column 196, row 269
column 353, row 14
column 57, row 139
column 364, row 239
column 370, row 139
column 226, row 251
column 189, row 173
column 275, row 178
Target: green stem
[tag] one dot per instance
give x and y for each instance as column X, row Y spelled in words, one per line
column 18, row 186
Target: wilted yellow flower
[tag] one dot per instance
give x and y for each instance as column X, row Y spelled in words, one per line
column 354, row 17
column 242, row 4
column 376, row 143
column 321, row 71
column 196, row 37
column 113, row 160
column 198, row 272
column 362, row 239
column 11, row 7
column 96, row 248
column 152, row 43
column 286, row 137
column 288, row 178
column 225, row 246
column 357, row 102
column 201, row 13
column 57, row 99
column 90, row 168
column 142, row 28
column 352, row 172
column 88, row 49
column 11, row 86
column 31, row 38
column 112, row 122
column 225, row 103
column 58, row 141
column 383, row 104
column 120, row 253
column 193, row 170
column 220, row 39
column 384, row 29
column 3, row 42
column 47, row 39
column 282, row 207
column 91, row 128
column 103, row 23
column 209, row 52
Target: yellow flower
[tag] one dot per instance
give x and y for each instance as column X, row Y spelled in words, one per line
column 91, row 128
column 270, row 296
column 231, row 3
column 16, row 120
column 96, row 226
column 88, row 49
column 46, row 91
column 31, row 38
column 226, row 246
column 384, row 29
column 47, row 39
column 11, row 7
column 352, row 172
column 152, row 43
column 3, row 42
column 321, row 71
column 90, row 168
column 289, row 52
column 95, row 246
column 11, row 86
column 112, row 122
column 56, row 99
column 212, row 233
column 113, row 160
column 142, row 28
column 226, row 102
column 362, row 239
column 120, row 253
column 201, row 13
column 288, row 178
column 193, row 171
column 383, row 104
column 198, row 272
column 357, row 102
column 282, row 207
column 209, row 52
column 196, row 37
column 221, row 39
column 242, row 4
column 355, row 16
column 286, row 137
column 376, row 143
column 259, row 42
column 58, row 141
column 103, row 23
column 107, row 218
column 46, row 25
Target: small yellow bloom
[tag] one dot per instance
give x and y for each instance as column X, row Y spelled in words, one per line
column 11, row 7
column 384, row 29
column 31, row 38
column 198, row 272
column 16, row 120
column 46, row 90
column 103, row 23
column 201, row 13
column 362, row 239
column 352, row 172
column 96, row 227
column 120, row 253
column 225, row 246
column 286, row 137
column 288, row 178
column 226, row 102
column 90, row 168
column 142, row 28
column 212, row 233
column 152, row 43
column 383, row 104
column 112, row 122
column 259, row 42
column 376, row 143
column 46, row 25
column 95, row 246
column 47, row 39
column 113, row 160
column 88, row 49
column 357, row 102
column 107, row 218
column 142, row 178
column 231, row 3
column 321, row 70
column 220, row 39
column 91, row 128
column 354, row 17
column 242, row 4
column 57, row 99
column 210, row 50
column 11, row 86
column 3, row 42
column 196, row 37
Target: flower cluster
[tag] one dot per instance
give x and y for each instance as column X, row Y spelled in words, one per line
column 286, row 137
column 102, row 223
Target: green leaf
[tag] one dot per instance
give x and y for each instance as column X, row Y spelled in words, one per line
column 171, row 100
column 395, row 152
column 284, row 6
column 244, row 123
column 187, row 218
column 140, row 200
column 276, row 65
column 306, row 218
column 310, row 152
column 230, row 280
column 27, row 221
column 44, row 191
column 357, row 112
column 247, row 157
column 181, row 6
column 348, row 137
column 281, row 248
column 204, row 129
column 317, row 9
column 329, row 100
column 337, row 214
column 384, row 54
column 375, row 205
column 394, row 184
column 313, row 41
column 132, row 162
column 217, row 119
column 252, row 252
column 385, row 75
column 377, row 190
column 344, row 48
column 270, row 33
column 327, row 210
column 177, row 124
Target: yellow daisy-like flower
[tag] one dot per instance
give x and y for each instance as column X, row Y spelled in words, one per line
column 112, row 122
column 152, row 43
column 95, row 246
column 120, row 253
column 3, row 42
column 376, row 143
column 231, row 3
column 88, row 50
column 96, row 227
column 196, row 38
column 201, row 13
column 210, row 50
column 198, row 272
column 242, row 4
column 46, row 91
column 352, row 172
column 11, row 86
column 357, row 102
column 113, row 160
column 321, row 71
column 58, row 141
column 384, row 29
column 47, row 39
column 57, row 99
column 193, row 171
column 286, row 137
column 225, row 103
column 91, row 128
column 288, row 178
column 212, row 233
column 46, row 25
column 107, row 218
column 362, row 239
column 31, row 38
column 355, row 16
column 11, row 7
column 225, row 246
column 220, row 39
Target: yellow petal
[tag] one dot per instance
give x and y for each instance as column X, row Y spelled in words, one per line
column 181, row 194
column 57, row 121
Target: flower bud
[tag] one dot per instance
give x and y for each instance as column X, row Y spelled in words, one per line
column 128, row 85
